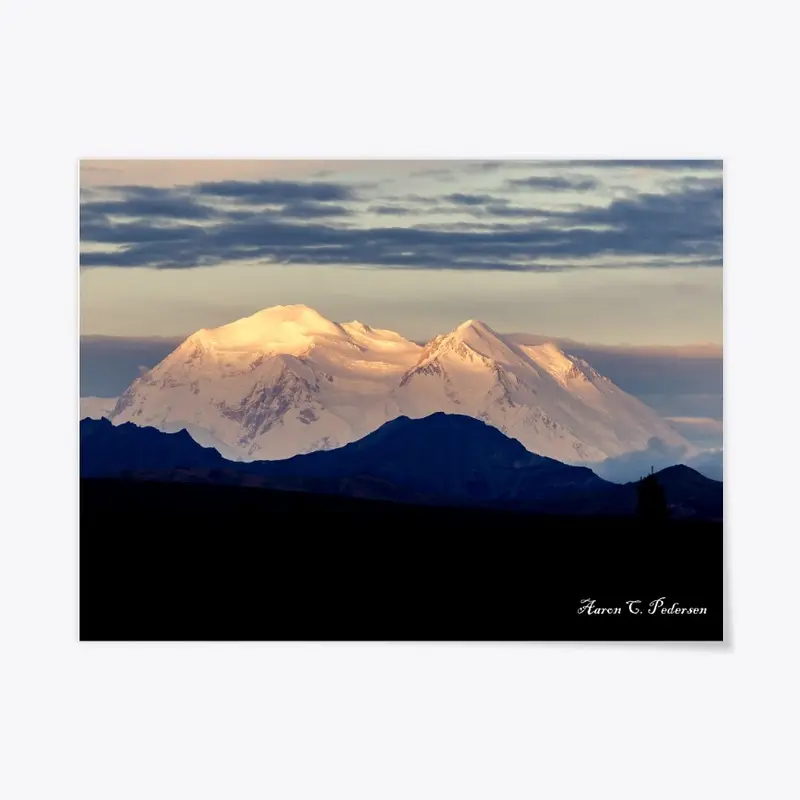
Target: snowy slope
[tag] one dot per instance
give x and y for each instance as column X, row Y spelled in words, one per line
column 96, row 407
column 554, row 403
column 281, row 382
column 286, row 381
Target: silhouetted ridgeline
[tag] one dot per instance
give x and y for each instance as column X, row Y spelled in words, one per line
column 440, row 459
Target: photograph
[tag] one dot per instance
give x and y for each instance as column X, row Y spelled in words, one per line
column 400, row 400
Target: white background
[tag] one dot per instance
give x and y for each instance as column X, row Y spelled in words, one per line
column 422, row 79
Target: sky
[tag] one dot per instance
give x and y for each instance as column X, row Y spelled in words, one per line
column 616, row 255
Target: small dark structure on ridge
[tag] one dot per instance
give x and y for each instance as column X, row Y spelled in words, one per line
column 651, row 502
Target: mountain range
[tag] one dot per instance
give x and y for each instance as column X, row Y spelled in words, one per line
column 441, row 459
column 286, row 381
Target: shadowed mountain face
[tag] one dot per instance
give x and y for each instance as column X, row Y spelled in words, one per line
column 108, row 450
column 452, row 457
column 439, row 459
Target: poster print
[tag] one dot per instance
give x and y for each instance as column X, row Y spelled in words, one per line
column 396, row 400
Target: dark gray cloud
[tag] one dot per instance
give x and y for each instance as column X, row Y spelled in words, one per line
column 499, row 209
column 390, row 210
column 693, row 211
column 275, row 192
column 469, row 199
column 684, row 223
column 156, row 210
column 555, row 184
column 308, row 210
column 166, row 206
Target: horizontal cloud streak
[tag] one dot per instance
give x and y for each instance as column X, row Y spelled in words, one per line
column 174, row 207
column 555, row 184
column 390, row 210
column 296, row 223
column 469, row 199
column 274, row 192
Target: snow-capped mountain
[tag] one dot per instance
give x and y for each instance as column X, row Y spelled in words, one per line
column 554, row 403
column 286, row 381
column 281, row 382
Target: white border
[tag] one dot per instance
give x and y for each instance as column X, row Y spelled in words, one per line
column 92, row 79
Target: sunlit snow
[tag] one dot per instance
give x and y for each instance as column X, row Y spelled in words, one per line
column 286, row 380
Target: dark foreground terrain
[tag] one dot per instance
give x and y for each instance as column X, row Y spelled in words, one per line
column 173, row 561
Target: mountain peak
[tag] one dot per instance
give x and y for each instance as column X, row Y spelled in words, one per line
column 464, row 441
column 357, row 325
column 277, row 325
column 476, row 337
column 681, row 472
column 476, row 326
column 298, row 315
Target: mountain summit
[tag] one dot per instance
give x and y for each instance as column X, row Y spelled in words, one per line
column 554, row 403
column 283, row 381
column 284, row 328
column 286, row 381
